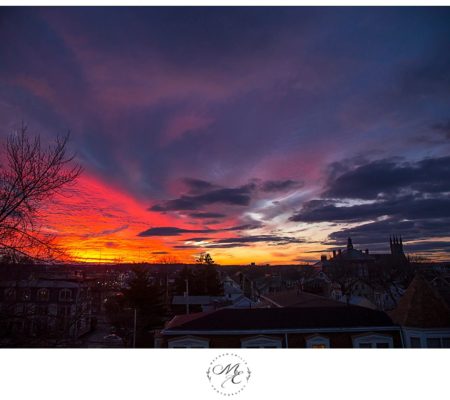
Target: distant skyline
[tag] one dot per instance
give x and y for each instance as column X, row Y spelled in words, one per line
column 260, row 134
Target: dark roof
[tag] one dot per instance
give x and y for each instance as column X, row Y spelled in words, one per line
column 197, row 300
column 295, row 298
column 41, row 283
column 352, row 254
column 421, row 306
column 283, row 318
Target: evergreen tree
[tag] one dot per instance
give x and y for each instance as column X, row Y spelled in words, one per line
column 146, row 300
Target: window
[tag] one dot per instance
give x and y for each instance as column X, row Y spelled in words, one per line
column 261, row 342
column 65, row 295
column 10, row 294
column 317, row 342
column 43, row 295
column 415, row 343
column 373, row 341
column 188, row 342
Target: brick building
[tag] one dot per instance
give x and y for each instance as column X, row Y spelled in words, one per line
column 44, row 312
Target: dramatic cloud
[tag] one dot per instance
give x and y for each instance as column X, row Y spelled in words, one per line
column 206, row 215
column 198, row 185
column 276, row 186
column 387, row 177
column 242, row 241
column 399, row 197
column 174, row 231
column 443, row 128
column 403, row 207
column 240, row 196
column 219, row 117
column 171, row 231
column 378, row 232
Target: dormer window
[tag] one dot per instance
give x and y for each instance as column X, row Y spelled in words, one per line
column 373, row 341
column 317, row 342
column 261, row 342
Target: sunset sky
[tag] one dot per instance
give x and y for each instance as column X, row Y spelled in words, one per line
column 262, row 135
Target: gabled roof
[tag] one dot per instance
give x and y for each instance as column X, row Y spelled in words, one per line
column 251, row 319
column 421, row 307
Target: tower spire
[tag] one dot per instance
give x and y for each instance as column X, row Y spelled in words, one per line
column 349, row 243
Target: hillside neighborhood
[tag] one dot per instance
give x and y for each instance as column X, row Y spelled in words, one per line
column 350, row 298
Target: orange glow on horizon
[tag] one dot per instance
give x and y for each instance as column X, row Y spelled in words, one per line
column 98, row 223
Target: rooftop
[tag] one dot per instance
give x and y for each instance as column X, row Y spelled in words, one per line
column 421, row 306
column 252, row 319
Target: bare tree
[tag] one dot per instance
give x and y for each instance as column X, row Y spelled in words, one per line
column 168, row 260
column 30, row 175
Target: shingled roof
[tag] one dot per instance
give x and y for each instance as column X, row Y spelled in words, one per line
column 421, row 307
column 252, row 319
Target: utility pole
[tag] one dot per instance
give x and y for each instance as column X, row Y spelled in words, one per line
column 186, row 294
column 134, row 328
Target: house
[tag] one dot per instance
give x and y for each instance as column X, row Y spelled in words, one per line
column 337, row 326
column 424, row 316
column 44, row 312
column 297, row 298
column 361, row 278
column 187, row 304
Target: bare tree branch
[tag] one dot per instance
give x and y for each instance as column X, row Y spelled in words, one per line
column 31, row 176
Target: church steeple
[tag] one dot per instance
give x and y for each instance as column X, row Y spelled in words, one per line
column 349, row 243
column 396, row 244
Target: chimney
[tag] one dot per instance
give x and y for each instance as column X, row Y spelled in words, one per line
column 334, row 253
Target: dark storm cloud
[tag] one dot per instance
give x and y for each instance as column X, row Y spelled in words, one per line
column 198, row 185
column 203, row 193
column 260, row 238
column 389, row 177
column 404, row 207
column 378, row 232
column 277, row 186
column 407, row 198
column 240, row 196
column 442, row 128
column 429, row 246
column 171, row 231
column 244, row 241
column 209, row 246
column 206, row 215
column 174, row 231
